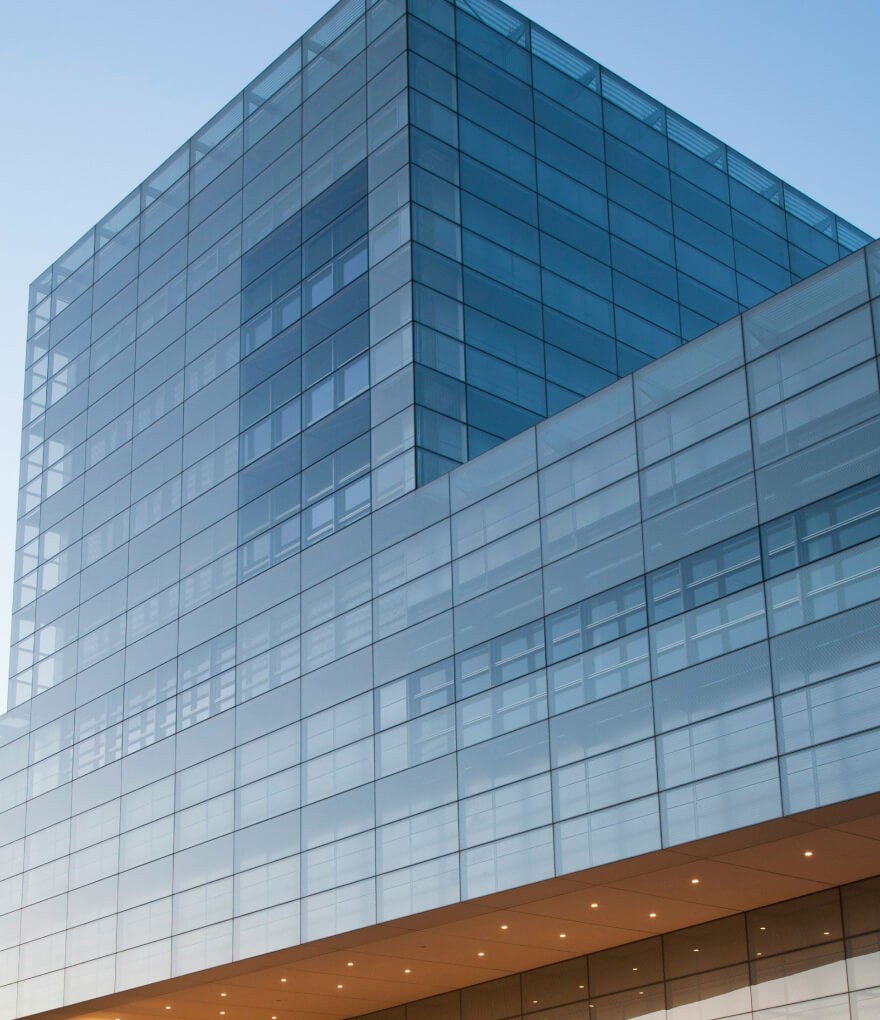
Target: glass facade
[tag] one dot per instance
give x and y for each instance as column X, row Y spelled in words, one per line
column 567, row 228
column 266, row 689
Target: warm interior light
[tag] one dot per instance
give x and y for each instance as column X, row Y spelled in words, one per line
column 696, row 950
column 695, row 881
column 350, row 963
column 339, row 986
column 407, row 971
column 283, row 980
column 504, row 927
column 594, row 906
column 808, row 853
column 652, row 915
column 562, row 935
column 481, row 953
column 223, row 995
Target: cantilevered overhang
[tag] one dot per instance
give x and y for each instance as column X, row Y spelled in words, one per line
column 529, row 926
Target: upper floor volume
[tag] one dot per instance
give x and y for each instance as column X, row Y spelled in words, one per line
column 555, row 227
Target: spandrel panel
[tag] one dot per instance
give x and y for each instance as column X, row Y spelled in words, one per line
column 830, row 772
column 622, row 774
column 829, row 710
column 594, row 569
column 509, row 862
column 587, row 471
column 416, row 789
column 832, row 292
column 495, row 516
column 420, row 887
column 605, row 835
column 718, row 804
column 593, row 729
column 718, row 744
column 496, row 469
column 822, row 589
column 841, row 460
column 716, row 686
column 696, row 471
column 609, row 669
column 486, row 569
column 403, row 747
column 711, row 409
column 591, row 519
column 496, row 612
column 724, row 511
column 502, row 709
column 822, row 411
column 824, row 352
column 417, row 839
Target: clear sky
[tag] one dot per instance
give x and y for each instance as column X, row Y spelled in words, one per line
column 97, row 93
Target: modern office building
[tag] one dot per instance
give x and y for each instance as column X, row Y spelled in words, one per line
column 448, row 563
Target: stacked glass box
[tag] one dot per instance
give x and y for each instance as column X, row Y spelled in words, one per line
column 261, row 691
column 567, row 228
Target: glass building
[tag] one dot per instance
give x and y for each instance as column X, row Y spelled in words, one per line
column 448, row 563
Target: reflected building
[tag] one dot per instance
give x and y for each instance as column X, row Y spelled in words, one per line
column 447, row 562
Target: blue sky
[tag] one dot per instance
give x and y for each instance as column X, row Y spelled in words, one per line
column 99, row 92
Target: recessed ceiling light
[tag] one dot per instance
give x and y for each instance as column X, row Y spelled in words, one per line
column 339, row 986
column 594, row 906
column 407, row 971
column 826, row 932
column 695, row 881
column 652, row 915
column 696, row 950
column 808, row 853
column 223, row 995
column 481, row 953
column 283, row 980
column 635, row 969
column 350, row 963
column 562, row 935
